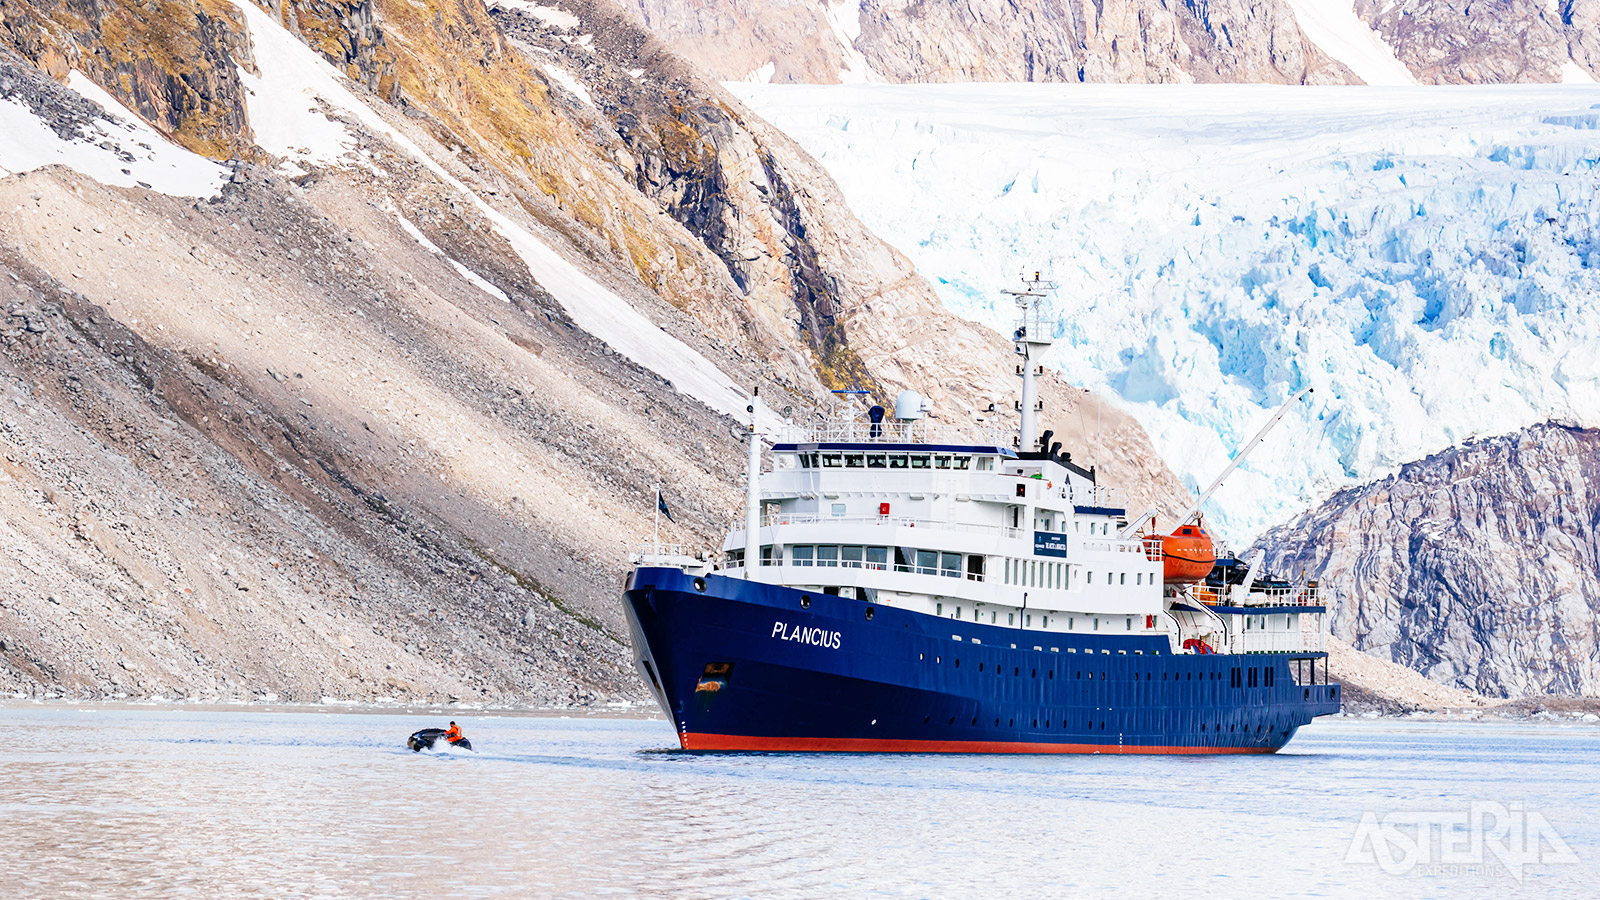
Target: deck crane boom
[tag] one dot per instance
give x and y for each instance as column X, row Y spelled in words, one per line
column 1135, row 523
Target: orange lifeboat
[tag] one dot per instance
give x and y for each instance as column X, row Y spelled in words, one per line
column 1188, row 554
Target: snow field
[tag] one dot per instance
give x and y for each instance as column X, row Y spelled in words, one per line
column 27, row 143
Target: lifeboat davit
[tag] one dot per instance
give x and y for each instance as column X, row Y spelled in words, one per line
column 1188, row 554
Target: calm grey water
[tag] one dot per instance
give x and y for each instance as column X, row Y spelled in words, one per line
column 173, row 803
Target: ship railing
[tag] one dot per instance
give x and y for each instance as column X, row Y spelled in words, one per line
column 1309, row 594
column 1115, row 547
column 856, row 431
column 901, row 568
column 781, row 519
column 1153, row 549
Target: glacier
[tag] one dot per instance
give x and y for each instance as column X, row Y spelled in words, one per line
column 1425, row 258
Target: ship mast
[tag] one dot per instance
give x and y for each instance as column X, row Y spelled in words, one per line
column 1031, row 340
column 752, row 496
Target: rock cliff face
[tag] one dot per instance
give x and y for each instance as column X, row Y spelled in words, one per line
column 171, row 61
column 1478, row 567
column 1136, row 41
column 1461, row 42
column 374, row 407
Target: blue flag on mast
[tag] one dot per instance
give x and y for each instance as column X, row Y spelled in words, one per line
column 661, row 504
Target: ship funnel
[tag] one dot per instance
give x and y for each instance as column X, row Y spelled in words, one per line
column 908, row 407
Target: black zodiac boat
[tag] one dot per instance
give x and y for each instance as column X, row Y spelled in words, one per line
column 427, row 737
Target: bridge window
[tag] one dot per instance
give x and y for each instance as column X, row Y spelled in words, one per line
column 919, row 461
column 801, row 555
column 877, row 557
column 941, row 462
column 832, row 460
column 897, row 460
column 876, row 461
column 854, row 461
column 962, row 462
column 984, row 464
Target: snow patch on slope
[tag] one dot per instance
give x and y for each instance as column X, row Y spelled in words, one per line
column 117, row 149
column 474, row 278
column 1427, row 258
column 574, row 86
column 1335, row 28
column 550, row 15
column 290, row 67
column 1572, row 73
column 844, row 18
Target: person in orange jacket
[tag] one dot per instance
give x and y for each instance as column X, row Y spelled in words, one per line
column 453, row 735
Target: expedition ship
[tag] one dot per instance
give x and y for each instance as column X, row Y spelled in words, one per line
column 903, row 587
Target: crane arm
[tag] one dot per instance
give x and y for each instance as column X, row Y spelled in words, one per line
column 1239, row 458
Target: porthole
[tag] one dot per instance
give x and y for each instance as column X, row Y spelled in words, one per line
column 805, row 601
column 870, row 614
column 925, row 719
column 980, row 667
column 700, row 585
column 958, row 662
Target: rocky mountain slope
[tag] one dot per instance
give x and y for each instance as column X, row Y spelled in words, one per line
column 1138, row 41
column 346, row 341
column 1477, row 566
column 1133, row 41
column 1460, row 42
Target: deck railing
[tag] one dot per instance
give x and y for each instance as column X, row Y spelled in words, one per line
column 922, row 431
column 1294, row 595
column 773, row 519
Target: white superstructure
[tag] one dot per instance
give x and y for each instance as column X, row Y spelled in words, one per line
column 890, row 508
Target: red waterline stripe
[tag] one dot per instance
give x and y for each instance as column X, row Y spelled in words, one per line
column 694, row 741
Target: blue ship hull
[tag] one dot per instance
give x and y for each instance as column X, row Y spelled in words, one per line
column 743, row 666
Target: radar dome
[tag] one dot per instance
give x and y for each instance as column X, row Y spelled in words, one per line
column 908, row 406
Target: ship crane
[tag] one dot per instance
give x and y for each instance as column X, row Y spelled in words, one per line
column 1188, row 550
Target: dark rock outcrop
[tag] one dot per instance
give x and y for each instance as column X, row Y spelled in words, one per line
column 174, row 62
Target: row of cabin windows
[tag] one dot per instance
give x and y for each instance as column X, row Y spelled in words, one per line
column 1059, row 576
column 906, row 559
column 895, row 461
column 993, row 618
